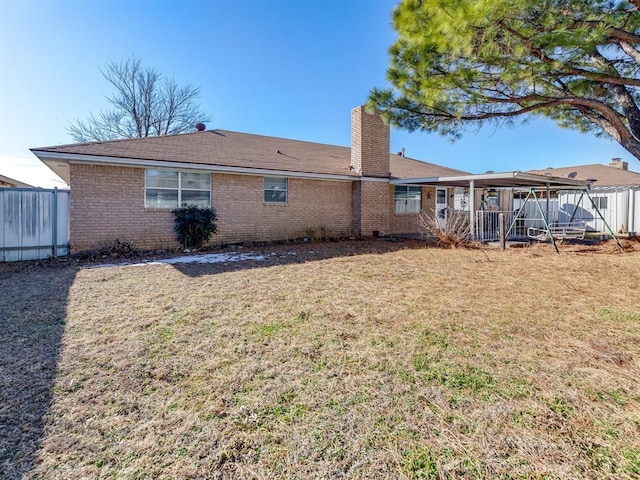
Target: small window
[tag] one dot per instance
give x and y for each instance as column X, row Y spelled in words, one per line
column 275, row 190
column 170, row 189
column 407, row 199
column 600, row 202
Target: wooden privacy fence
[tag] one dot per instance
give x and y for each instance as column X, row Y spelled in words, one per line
column 35, row 223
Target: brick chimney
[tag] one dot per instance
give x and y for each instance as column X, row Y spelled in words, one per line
column 369, row 144
column 618, row 163
column 370, row 197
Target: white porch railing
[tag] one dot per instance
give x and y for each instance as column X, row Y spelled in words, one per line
column 487, row 223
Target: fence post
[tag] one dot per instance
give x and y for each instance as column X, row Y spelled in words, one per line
column 502, row 230
column 54, row 226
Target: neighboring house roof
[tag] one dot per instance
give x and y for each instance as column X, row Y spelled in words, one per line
column 228, row 150
column 604, row 175
column 10, row 182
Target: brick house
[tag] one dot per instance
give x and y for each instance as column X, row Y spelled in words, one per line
column 263, row 188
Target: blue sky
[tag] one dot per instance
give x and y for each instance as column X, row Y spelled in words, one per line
column 289, row 68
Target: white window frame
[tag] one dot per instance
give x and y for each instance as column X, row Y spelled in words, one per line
column 265, row 190
column 407, row 205
column 601, row 202
column 179, row 188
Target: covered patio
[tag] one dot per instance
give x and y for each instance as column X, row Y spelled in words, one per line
column 513, row 182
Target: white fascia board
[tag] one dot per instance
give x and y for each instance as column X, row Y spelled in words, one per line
column 540, row 179
column 457, row 178
column 409, row 181
column 611, row 188
column 552, row 180
column 133, row 162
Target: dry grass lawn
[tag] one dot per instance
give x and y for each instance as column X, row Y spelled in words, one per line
column 337, row 360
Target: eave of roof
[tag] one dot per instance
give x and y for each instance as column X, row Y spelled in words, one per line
column 53, row 159
column 229, row 152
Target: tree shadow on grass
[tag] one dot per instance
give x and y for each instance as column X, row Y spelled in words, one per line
column 32, row 316
column 247, row 257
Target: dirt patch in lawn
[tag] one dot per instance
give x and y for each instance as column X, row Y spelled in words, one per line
column 362, row 359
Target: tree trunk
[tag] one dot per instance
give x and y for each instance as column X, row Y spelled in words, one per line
column 631, row 145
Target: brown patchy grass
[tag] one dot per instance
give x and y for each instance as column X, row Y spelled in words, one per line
column 345, row 360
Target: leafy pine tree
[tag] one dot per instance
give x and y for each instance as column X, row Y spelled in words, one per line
column 463, row 63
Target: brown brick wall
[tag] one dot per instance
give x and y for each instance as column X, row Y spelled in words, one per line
column 369, row 144
column 107, row 203
column 311, row 204
column 374, row 207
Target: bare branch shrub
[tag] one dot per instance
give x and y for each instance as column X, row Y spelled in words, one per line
column 451, row 233
column 112, row 248
column 320, row 234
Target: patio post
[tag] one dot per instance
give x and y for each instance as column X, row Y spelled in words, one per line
column 472, row 210
column 548, row 199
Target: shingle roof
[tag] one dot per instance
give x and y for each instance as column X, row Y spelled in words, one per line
column 4, row 180
column 606, row 176
column 235, row 149
column 404, row 167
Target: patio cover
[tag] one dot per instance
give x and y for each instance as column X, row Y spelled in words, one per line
column 513, row 180
column 496, row 180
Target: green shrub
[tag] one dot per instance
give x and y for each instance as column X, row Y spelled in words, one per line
column 194, row 225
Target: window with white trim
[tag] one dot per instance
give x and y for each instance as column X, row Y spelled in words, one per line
column 171, row 189
column 275, row 190
column 407, row 199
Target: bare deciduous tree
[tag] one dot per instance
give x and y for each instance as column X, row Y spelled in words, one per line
column 145, row 104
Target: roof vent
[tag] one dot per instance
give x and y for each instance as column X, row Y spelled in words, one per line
column 573, row 175
column 200, row 127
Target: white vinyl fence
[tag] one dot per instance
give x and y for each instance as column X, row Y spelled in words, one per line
column 619, row 207
column 35, row 223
